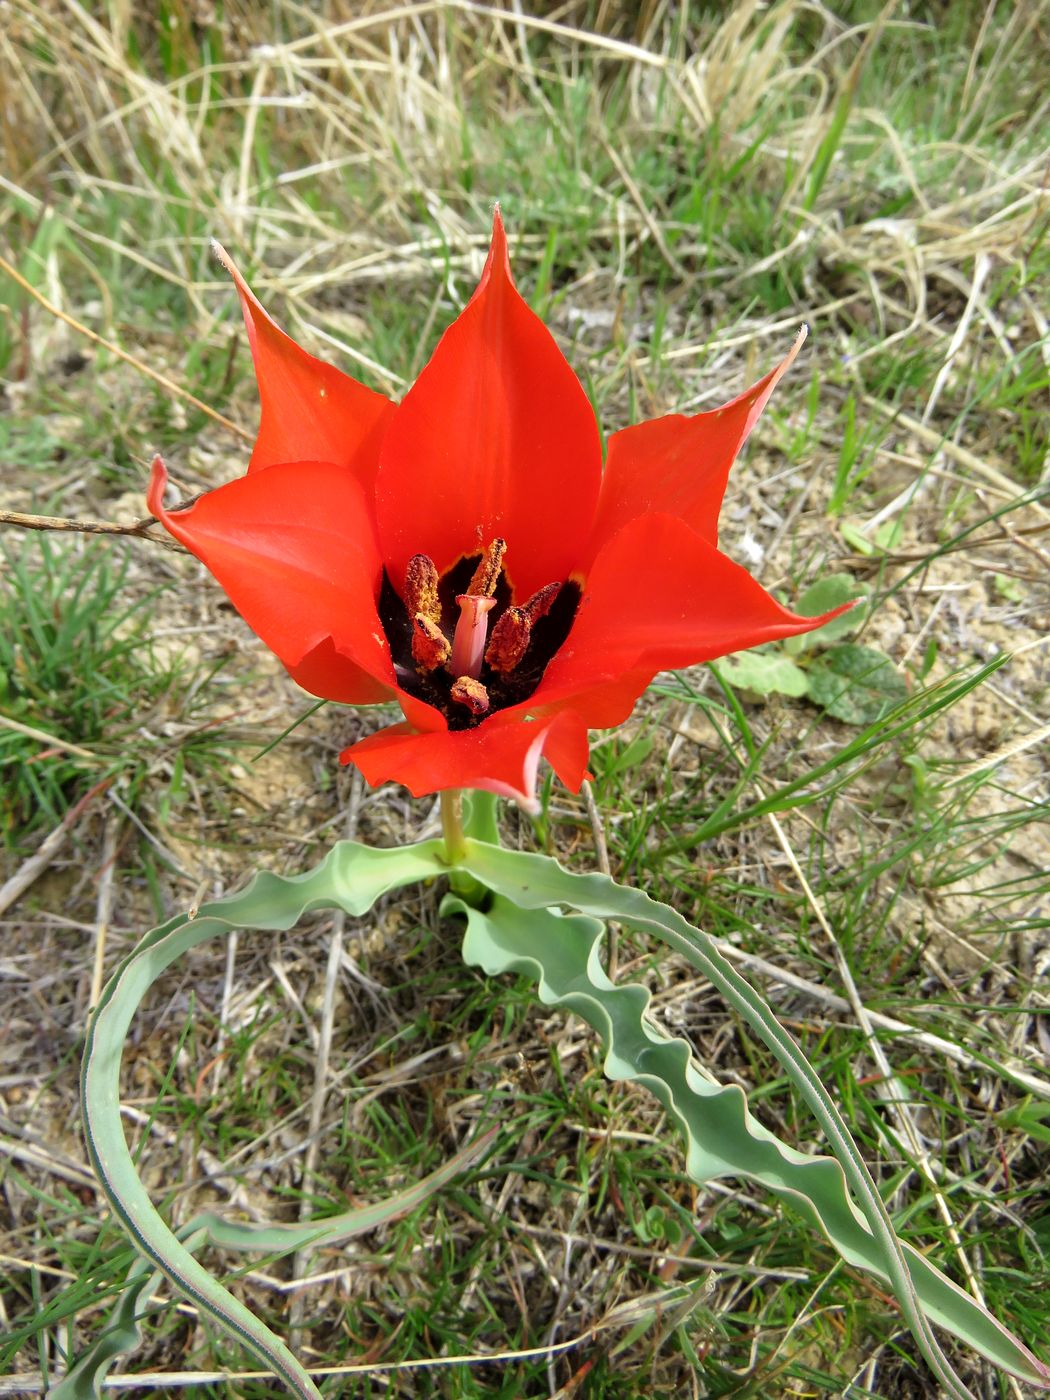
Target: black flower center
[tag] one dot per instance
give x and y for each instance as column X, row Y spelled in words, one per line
column 428, row 622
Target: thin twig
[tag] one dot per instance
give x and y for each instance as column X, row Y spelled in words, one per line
column 929, row 1039
column 140, row 529
column 890, row 1090
column 301, row 1262
column 51, row 740
column 962, row 455
column 303, row 1257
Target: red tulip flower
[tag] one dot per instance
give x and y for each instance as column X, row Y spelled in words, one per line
column 464, row 553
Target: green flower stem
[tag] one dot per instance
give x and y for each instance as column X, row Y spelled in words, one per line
column 479, row 821
column 452, row 826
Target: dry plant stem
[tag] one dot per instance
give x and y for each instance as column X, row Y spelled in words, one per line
column 104, row 905
column 159, row 1381
column 50, row 740
column 938, row 1044
column 304, row 1257
column 40, row 1154
column 167, row 384
column 301, row 1263
column 140, row 529
column 962, row 455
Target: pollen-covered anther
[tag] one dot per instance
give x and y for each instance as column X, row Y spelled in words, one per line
column 541, row 602
column 486, row 575
column 470, row 692
column 509, row 641
column 421, row 588
column 430, row 647
column 513, row 632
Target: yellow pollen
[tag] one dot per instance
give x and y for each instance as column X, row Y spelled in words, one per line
column 470, row 692
column 430, row 646
column 513, row 632
column 509, row 641
column 541, row 602
column 486, row 575
column 421, row 588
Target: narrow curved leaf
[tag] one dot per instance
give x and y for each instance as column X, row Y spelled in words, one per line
column 351, row 878
column 124, row 1333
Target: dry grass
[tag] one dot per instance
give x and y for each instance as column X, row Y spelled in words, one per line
column 683, row 187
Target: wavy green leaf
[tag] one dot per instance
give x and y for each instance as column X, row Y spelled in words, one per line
column 516, row 930
column 519, row 931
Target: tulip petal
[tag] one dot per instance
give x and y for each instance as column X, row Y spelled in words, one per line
column 602, row 704
column 496, row 438
column 311, row 411
column 680, row 465
column 294, row 548
column 496, row 757
column 657, row 597
column 325, row 672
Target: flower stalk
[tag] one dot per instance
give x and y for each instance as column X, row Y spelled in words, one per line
column 452, row 825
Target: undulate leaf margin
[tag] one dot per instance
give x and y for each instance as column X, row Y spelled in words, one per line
column 567, row 967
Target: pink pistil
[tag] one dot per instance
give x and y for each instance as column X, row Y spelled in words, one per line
column 468, row 645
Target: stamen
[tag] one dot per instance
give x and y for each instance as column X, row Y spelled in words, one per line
column 421, row 588
column 513, row 632
column 430, row 646
column 468, row 645
column 486, row 575
column 541, row 602
column 470, row 692
column 509, row 641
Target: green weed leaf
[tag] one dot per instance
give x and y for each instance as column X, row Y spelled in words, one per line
column 1032, row 1119
column 764, row 673
column 829, row 592
column 856, row 684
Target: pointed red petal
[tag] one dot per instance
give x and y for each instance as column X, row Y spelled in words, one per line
column 495, row 757
column 657, row 597
column 496, row 438
column 680, row 465
column 311, row 411
column 294, row 548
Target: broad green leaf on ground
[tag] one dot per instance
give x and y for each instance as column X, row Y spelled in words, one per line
column 829, row 592
column 856, row 684
column 764, row 673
